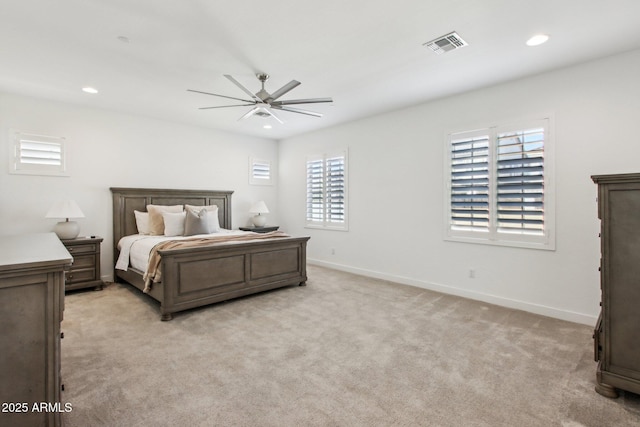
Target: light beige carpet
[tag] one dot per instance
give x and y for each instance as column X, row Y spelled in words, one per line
column 343, row 351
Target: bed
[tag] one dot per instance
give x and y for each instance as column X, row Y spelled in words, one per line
column 202, row 275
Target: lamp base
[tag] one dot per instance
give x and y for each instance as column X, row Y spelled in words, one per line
column 67, row 229
column 259, row 220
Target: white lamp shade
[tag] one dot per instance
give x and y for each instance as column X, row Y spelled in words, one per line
column 259, row 208
column 65, row 209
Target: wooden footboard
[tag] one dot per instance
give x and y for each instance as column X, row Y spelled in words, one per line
column 200, row 276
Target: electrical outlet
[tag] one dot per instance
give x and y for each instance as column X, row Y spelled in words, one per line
column 333, row 251
column 472, row 273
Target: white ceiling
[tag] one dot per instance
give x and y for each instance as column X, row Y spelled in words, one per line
column 368, row 56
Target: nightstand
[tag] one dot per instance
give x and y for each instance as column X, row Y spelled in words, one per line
column 85, row 270
column 265, row 229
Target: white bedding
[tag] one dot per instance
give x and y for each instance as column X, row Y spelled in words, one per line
column 135, row 249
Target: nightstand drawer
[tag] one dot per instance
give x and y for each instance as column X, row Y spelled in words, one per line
column 81, row 249
column 83, row 261
column 80, row 276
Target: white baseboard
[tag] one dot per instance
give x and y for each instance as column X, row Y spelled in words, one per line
column 491, row 299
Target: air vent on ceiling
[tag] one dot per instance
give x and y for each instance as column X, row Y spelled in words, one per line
column 446, row 43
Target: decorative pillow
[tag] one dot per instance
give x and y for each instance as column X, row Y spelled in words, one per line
column 214, row 222
column 197, row 222
column 142, row 222
column 173, row 223
column 156, row 223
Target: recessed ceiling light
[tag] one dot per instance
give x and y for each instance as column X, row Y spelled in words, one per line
column 267, row 126
column 538, row 39
column 89, row 90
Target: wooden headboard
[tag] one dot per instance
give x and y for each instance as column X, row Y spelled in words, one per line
column 126, row 200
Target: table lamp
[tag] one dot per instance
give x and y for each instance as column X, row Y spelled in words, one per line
column 66, row 209
column 259, row 208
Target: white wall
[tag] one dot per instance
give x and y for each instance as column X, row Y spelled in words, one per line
column 396, row 187
column 107, row 149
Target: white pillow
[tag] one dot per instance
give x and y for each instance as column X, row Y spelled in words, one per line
column 214, row 222
column 142, row 222
column 173, row 223
column 156, row 224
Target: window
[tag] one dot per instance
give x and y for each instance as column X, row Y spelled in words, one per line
column 327, row 191
column 259, row 171
column 37, row 154
column 499, row 186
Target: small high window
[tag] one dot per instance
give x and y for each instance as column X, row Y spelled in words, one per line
column 34, row 154
column 259, row 172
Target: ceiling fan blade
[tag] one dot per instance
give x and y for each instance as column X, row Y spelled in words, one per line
column 225, row 106
column 302, row 101
column 244, row 89
column 297, row 110
column 284, row 89
column 272, row 114
column 221, row 96
column 250, row 113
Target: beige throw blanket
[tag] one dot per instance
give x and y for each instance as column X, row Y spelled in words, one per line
column 154, row 272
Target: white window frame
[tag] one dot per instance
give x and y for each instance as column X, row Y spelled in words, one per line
column 492, row 234
column 321, row 219
column 260, row 171
column 47, row 157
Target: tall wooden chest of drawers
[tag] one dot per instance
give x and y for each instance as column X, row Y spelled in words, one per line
column 31, row 304
column 617, row 334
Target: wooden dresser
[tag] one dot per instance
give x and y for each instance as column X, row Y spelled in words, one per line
column 617, row 333
column 32, row 269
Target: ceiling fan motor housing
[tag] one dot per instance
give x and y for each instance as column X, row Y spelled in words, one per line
column 263, row 94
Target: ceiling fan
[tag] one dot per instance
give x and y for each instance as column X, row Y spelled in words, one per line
column 264, row 102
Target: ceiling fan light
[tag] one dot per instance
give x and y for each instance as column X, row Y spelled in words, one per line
column 537, row 40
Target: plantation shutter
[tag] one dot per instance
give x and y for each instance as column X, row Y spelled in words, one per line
column 470, row 182
column 500, row 189
column 335, row 190
column 327, row 191
column 520, row 181
column 38, row 154
column 260, row 171
column 315, row 191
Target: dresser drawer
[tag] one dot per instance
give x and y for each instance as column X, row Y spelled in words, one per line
column 81, row 249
